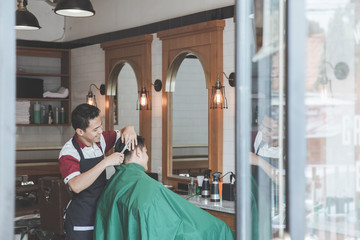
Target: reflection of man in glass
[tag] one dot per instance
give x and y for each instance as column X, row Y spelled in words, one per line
column 264, row 161
column 266, row 149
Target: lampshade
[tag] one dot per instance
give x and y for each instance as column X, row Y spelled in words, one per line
column 91, row 99
column 218, row 98
column 143, row 102
column 25, row 20
column 75, row 8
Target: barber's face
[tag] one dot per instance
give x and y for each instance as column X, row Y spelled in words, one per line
column 93, row 132
column 269, row 129
column 144, row 158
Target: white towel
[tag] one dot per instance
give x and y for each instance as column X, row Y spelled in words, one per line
column 22, row 112
column 61, row 93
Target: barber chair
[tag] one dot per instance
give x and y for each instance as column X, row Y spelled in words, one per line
column 54, row 196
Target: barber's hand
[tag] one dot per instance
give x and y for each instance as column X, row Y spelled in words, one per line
column 114, row 159
column 127, row 133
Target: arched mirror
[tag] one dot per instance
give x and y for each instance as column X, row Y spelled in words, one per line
column 124, row 101
column 190, row 120
column 128, row 67
column 125, row 112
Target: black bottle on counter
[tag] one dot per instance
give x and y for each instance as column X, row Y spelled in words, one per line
column 205, row 192
column 50, row 115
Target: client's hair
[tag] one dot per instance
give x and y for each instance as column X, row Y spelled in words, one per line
column 119, row 146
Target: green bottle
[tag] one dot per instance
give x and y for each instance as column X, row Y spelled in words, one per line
column 37, row 114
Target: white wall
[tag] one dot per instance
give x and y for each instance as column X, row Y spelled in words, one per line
column 229, row 114
column 111, row 15
column 156, row 128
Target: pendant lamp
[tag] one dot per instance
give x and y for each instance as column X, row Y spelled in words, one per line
column 75, row 8
column 25, row 20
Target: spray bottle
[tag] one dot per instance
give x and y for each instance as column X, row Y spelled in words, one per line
column 205, row 191
column 215, row 197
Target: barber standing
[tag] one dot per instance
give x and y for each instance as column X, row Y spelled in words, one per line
column 82, row 165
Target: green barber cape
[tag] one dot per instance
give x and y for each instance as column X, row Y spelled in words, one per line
column 135, row 206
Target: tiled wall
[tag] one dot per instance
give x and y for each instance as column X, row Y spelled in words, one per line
column 229, row 114
column 156, row 129
column 87, row 66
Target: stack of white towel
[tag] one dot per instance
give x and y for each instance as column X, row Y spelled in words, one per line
column 22, row 112
column 61, row 93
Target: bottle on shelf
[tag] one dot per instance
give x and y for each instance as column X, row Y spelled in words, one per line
column 50, row 115
column 43, row 114
column 57, row 116
column 62, row 115
column 37, row 114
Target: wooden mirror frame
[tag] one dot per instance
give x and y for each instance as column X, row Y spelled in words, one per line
column 136, row 51
column 205, row 40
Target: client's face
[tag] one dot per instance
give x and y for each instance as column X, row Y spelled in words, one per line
column 143, row 161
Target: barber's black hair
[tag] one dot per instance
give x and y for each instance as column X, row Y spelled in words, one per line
column 82, row 114
column 119, row 146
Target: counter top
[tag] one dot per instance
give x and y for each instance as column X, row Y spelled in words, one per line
column 205, row 203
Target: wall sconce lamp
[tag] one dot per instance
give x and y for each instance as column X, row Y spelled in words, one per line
column 143, row 102
column 75, row 8
column 218, row 96
column 90, row 97
column 25, row 20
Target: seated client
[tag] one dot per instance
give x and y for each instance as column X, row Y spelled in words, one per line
column 135, row 206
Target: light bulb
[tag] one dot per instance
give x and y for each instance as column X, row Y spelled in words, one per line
column 90, row 101
column 143, row 101
column 218, row 97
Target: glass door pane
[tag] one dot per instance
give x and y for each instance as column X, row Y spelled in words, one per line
column 333, row 119
column 267, row 160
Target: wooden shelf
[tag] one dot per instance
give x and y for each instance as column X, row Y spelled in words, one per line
column 42, row 74
column 38, row 149
column 40, row 62
column 41, row 125
column 43, row 99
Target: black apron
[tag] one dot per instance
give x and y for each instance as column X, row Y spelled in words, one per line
column 80, row 214
column 266, row 188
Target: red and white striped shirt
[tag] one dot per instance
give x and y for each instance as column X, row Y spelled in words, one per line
column 69, row 158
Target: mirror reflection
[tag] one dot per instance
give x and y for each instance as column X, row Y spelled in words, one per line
column 126, row 97
column 124, row 105
column 190, row 120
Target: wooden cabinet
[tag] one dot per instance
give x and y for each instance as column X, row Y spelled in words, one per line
column 228, row 218
column 51, row 68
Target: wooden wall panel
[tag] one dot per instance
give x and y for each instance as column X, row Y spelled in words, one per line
column 136, row 51
column 205, row 40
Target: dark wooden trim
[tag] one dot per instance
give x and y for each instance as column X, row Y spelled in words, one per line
column 205, row 16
